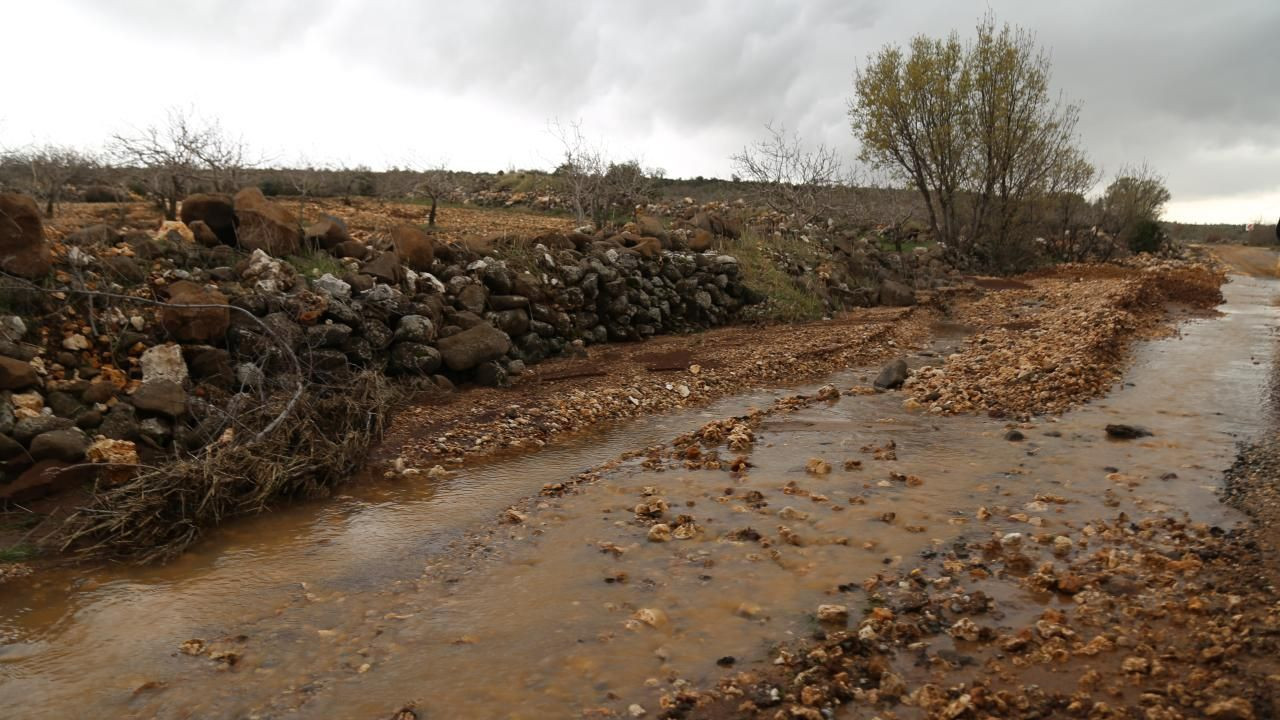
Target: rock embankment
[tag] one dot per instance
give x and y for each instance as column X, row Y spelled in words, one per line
column 1046, row 348
column 149, row 344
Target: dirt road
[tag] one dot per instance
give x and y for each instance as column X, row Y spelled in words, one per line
column 1247, row 259
column 713, row 560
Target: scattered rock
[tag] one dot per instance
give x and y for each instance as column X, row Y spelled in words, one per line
column 892, row 376
column 1127, row 432
column 164, row 362
column 164, row 397
column 189, row 317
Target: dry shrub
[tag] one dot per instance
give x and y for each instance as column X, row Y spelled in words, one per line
column 161, row 511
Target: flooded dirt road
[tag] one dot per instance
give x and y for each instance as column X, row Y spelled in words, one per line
column 406, row 591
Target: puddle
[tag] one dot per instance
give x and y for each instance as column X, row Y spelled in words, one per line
column 351, row 607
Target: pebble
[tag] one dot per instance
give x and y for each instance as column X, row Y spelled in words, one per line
column 660, row 533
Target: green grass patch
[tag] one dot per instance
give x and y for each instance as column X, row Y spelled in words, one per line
column 762, row 259
column 18, row 553
column 316, row 263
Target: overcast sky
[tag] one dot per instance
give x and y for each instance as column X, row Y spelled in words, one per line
column 1193, row 88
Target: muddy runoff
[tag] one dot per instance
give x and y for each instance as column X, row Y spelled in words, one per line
column 477, row 596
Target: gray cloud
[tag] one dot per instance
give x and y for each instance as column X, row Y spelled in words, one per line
column 1187, row 86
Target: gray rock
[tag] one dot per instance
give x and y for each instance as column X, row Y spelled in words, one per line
column 12, row 328
column 28, row 428
column 164, row 362
column 508, row 302
column 63, row 404
column 1127, row 432
column 327, row 335
column 329, row 285
column 511, row 322
column 473, row 346
column 163, row 397
column 892, row 375
column 10, row 448
column 472, row 298
column 157, row 430
column 121, row 423
column 407, row 357
column 491, row 374
column 895, row 294
column 66, row 445
column 415, row 329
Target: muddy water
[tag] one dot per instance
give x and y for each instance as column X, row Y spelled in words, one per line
column 409, row 592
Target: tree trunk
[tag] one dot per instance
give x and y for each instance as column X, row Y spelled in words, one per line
column 431, row 217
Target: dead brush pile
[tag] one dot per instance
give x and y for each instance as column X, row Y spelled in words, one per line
column 159, row 512
column 1070, row 348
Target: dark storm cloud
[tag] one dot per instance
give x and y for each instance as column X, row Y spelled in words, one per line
column 1190, row 87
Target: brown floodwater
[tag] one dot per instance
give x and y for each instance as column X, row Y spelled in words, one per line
column 406, row 590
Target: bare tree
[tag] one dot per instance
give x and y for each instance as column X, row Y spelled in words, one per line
column 598, row 187
column 582, row 168
column 184, row 152
column 435, row 184
column 46, row 170
column 794, row 180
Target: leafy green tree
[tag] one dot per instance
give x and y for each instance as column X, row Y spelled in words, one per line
column 909, row 111
column 976, row 130
column 1137, row 194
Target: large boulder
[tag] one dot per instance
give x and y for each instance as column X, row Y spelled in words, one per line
column 469, row 348
column 651, row 226
column 23, row 250
column 416, row 248
column 327, row 233
column 895, row 294
column 264, row 225
column 195, row 324
column 216, row 210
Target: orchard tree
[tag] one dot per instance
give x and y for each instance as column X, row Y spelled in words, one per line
column 908, row 112
column 45, row 171
column 598, row 187
column 793, row 179
column 184, row 152
column 435, row 184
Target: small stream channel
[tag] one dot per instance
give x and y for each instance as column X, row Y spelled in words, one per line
column 354, row 606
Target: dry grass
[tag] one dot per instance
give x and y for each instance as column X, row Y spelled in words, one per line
column 161, row 511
